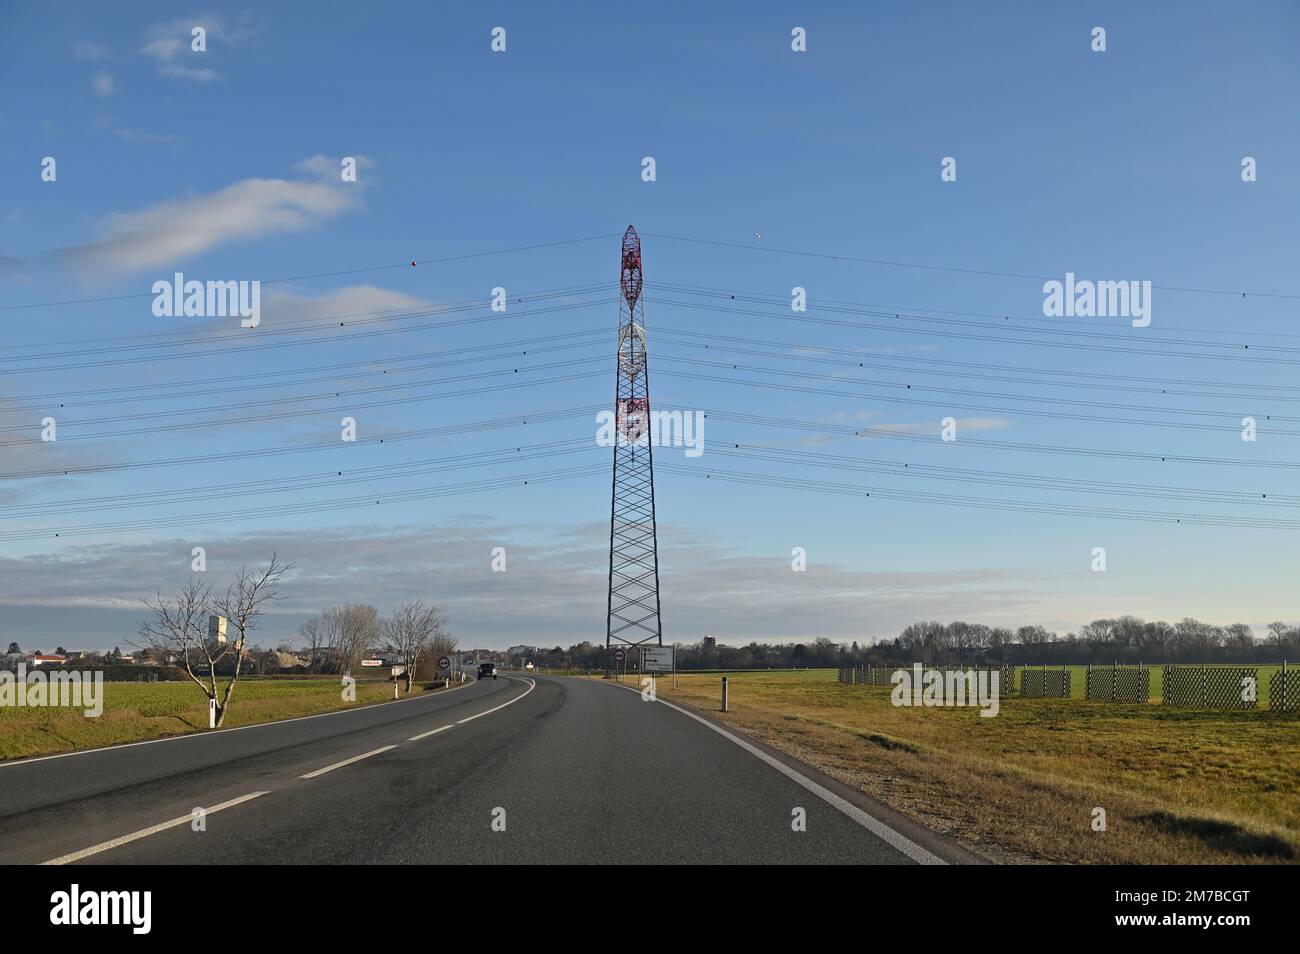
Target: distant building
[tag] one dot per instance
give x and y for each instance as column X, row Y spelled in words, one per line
column 48, row 660
column 709, row 643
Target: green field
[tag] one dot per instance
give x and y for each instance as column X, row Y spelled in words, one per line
column 135, row 712
column 1178, row 785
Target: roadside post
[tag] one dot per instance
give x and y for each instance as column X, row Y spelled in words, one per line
column 444, row 667
column 724, row 693
column 619, row 657
column 212, row 713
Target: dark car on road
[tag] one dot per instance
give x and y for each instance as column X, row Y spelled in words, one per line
column 487, row 669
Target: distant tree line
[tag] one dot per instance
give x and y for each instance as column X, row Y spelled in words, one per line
column 1124, row 639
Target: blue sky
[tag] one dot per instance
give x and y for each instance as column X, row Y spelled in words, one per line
column 1122, row 165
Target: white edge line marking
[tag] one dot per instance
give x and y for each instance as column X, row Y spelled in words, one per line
column 425, row 735
column 355, row 758
column 145, row 832
column 208, row 733
column 531, row 686
column 870, row 823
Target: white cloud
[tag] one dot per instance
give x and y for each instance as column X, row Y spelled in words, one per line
column 169, row 45
column 169, row 231
column 330, row 167
column 103, row 84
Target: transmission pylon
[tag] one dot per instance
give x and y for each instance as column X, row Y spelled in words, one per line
column 633, row 617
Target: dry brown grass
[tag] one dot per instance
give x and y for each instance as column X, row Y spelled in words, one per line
column 1178, row 786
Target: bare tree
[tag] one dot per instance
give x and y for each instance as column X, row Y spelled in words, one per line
column 358, row 629
column 314, row 633
column 1277, row 634
column 178, row 627
column 338, row 638
column 414, row 632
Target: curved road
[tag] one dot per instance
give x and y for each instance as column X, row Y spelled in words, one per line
column 574, row 771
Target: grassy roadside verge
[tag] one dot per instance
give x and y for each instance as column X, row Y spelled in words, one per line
column 1177, row 786
column 137, row 712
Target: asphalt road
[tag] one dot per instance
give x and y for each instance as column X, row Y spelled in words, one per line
column 535, row 769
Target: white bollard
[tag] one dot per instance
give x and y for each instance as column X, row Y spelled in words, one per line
column 724, row 693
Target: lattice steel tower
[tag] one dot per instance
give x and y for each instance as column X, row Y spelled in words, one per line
column 633, row 550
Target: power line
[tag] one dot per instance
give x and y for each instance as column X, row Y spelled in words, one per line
column 805, row 457
column 981, row 503
column 1020, row 378
column 256, row 344
column 805, row 318
column 1080, row 325
column 335, row 274
column 1057, row 415
column 1030, row 398
column 298, row 482
column 283, row 416
column 941, row 268
column 351, row 475
column 186, row 388
column 989, row 443
column 391, row 437
column 343, row 503
column 343, row 392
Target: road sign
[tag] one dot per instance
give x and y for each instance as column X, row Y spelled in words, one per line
column 372, row 662
column 619, row 655
column 444, row 663
column 657, row 659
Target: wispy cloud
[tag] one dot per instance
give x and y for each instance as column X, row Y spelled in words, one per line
column 169, row 231
column 170, row 46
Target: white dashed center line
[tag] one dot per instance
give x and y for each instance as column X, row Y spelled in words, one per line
column 146, row 832
column 355, row 758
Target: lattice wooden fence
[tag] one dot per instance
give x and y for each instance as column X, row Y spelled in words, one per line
column 884, row 675
column 867, row 676
column 1210, row 687
column 1045, row 683
column 1284, row 690
column 1118, row 684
